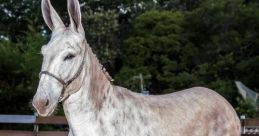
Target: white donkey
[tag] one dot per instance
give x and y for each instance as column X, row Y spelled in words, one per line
column 93, row 106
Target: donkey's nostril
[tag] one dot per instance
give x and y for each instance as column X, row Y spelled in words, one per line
column 47, row 103
column 41, row 104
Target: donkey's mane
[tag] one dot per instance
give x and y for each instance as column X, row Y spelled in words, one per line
column 103, row 69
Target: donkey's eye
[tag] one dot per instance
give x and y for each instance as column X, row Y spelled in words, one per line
column 69, row 56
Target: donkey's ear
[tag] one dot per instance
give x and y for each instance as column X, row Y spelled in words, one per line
column 75, row 15
column 50, row 15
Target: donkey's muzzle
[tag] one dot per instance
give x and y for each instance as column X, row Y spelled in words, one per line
column 41, row 105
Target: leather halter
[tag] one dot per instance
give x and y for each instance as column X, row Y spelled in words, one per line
column 63, row 82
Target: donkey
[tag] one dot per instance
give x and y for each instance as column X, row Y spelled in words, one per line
column 93, row 106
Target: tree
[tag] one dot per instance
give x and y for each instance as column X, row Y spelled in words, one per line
column 154, row 49
column 19, row 68
column 17, row 17
column 102, row 31
column 225, row 33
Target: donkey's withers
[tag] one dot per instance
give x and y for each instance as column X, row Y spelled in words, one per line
column 71, row 74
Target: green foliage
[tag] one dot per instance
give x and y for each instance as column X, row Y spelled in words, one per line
column 247, row 70
column 178, row 4
column 225, row 33
column 154, row 48
column 17, row 17
column 102, row 35
column 19, row 67
column 246, row 108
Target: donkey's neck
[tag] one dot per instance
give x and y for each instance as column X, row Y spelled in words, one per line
column 99, row 83
column 82, row 107
column 96, row 82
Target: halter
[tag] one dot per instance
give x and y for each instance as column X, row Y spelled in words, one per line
column 64, row 83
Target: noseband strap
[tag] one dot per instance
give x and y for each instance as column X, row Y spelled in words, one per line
column 65, row 83
column 54, row 76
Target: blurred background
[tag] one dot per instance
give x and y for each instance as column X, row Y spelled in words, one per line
column 171, row 44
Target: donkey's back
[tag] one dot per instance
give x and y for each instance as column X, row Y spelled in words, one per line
column 196, row 111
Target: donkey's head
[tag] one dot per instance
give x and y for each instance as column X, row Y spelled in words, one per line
column 63, row 58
